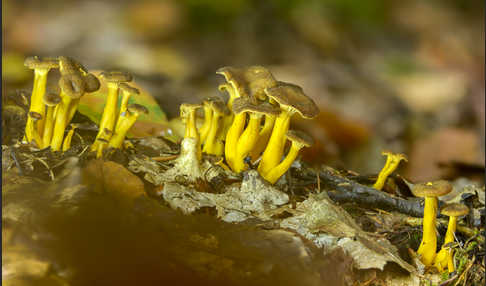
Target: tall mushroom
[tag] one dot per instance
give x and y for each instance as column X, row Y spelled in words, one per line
column 72, row 87
column 249, row 137
column 213, row 146
column 188, row 115
column 299, row 140
column 291, row 99
column 125, row 122
column 41, row 67
column 127, row 92
column 51, row 100
column 445, row 256
column 108, row 119
column 430, row 191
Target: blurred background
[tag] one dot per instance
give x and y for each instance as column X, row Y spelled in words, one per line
column 406, row 76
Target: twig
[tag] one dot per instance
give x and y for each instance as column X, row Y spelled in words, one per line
column 164, row 158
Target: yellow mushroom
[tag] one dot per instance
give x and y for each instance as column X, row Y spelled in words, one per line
column 208, row 116
column 51, row 100
column 110, row 114
column 392, row 161
column 72, row 87
column 234, row 133
column 66, row 145
column 102, row 143
column 263, row 137
column 41, row 67
column 445, row 256
column 291, row 99
column 125, row 122
column 127, row 92
column 188, row 115
column 249, row 137
column 430, row 191
column 299, row 140
column 212, row 145
column 36, row 138
column 92, row 84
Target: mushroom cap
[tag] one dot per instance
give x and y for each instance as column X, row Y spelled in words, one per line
column 51, row 98
column 72, row 85
column 36, row 62
column 293, row 97
column 249, row 82
column 432, row 189
column 124, row 87
column 454, row 209
column 35, row 115
column 398, row 155
column 243, row 105
column 68, row 65
column 218, row 105
column 300, row 138
column 92, row 82
column 116, row 76
column 137, row 108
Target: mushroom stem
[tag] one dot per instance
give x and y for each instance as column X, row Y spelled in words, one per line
column 48, row 126
column 247, row 141
column 125, row 122
column 281, row 168
column 210, row 144
column 232, row 136
column 208, row 117
column 263, row 137
column 428, row 245
column 273, row 152
column 60, row 122
column 36, row 100
column 66, row 145
column 445, row 255
column 108, row 119
column 392, row 161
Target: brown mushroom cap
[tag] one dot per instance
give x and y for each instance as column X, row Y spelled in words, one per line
column 249, row 82
column 300, row 138
column 432, row 189
column 454, row 209
column 51, row 99
column 124, row 87
column 292, row 96
column 35, row 115
column 36, row 62
column 72, row 85
column 260, row 109
column 67, row 65
column 116, row 76
column 92, row 82
column 137, row 109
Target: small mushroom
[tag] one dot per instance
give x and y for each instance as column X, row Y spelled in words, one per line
column 234, row 132
column 109, row 116
column 299, row 140
column 72, row 88
column 263, row 137
column 92, row 84
column 392, row 161
column 445, row 256
column 127, row 92
column 35, row 117
column 66, row 145
column 41, row 67
column 250, row 136
column 125, row 122
column 291, row 99
column 208, row 116
column 51, row 100
column 430, row 191
column 212, row 145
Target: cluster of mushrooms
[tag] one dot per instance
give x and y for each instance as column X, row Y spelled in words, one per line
column 50, row 113
column 253, row 126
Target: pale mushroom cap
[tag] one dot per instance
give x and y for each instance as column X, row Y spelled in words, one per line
column 36, row 62
column 92, row 82
column 398, row 155
column 137, row 109
column 116, row 76
column 67, row 65
column 300, row 138
column 35, row 115
column 51, row 99
column 72, row 85
column 454, row 209
column 432, row 189
column 292, row 96
column 249, row 82
column 124, row 87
